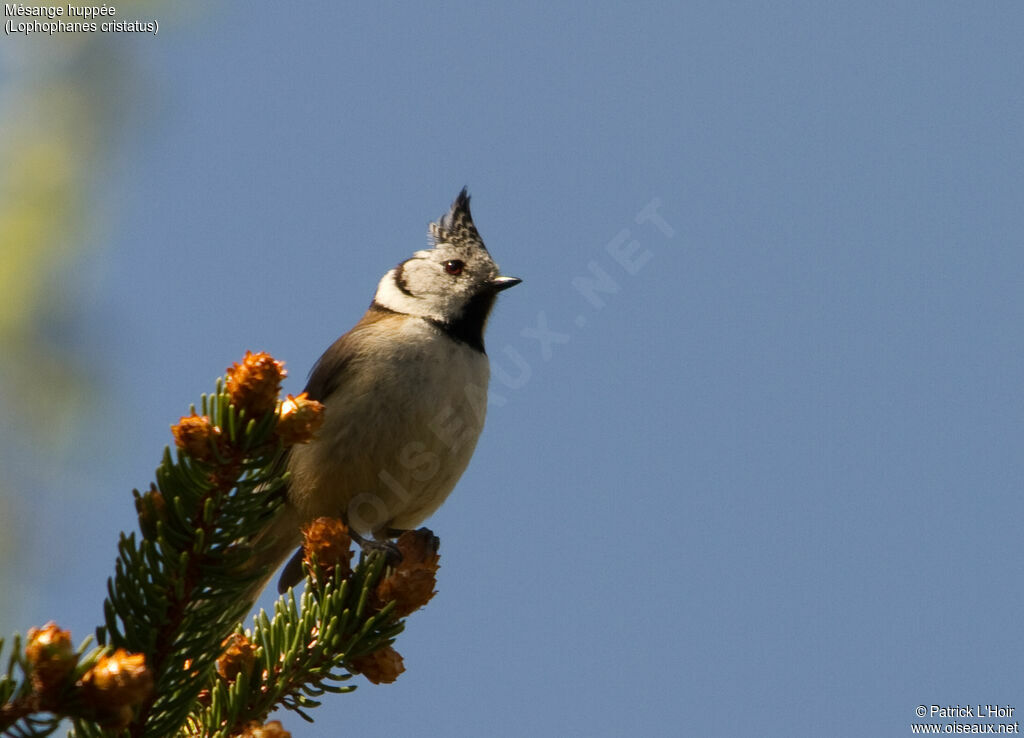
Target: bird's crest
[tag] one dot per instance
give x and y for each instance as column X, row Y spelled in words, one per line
column 456, row 227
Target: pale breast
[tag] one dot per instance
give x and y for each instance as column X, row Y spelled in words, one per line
column 399, row 431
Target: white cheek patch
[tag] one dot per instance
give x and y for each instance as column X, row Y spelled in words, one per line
column 391, row 297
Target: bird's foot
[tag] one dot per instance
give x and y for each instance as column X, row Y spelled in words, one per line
column 389, row 549
column 423, row 543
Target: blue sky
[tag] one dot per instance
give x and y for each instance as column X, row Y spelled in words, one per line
column 769, row 483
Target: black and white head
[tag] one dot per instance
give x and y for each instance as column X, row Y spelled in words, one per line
column 454, row 284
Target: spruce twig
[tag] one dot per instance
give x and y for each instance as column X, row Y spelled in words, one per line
column 172, row 659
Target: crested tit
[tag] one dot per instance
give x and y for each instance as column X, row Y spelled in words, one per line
column 405, row 394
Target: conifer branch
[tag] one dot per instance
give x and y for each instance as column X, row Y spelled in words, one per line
column 172, row 657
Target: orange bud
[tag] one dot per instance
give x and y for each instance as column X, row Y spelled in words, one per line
column 196, row 436
column 327, row 540
column 300, row 419
column 51, row 656
column 411, row 584
column 238, row 658
column 381, row 667
column 273, row 729
column 255, row 383
column 419, row 547
column 120, row 678
column 410, row 588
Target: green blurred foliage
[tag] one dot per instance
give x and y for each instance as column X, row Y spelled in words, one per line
column 63, row 104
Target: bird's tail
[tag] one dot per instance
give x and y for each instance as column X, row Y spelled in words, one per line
column 269, row 549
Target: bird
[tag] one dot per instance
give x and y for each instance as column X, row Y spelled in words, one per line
column 404, row 394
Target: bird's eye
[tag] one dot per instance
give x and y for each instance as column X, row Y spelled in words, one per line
column 454, row 267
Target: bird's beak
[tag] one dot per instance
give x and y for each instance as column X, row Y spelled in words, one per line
column 503, row 283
